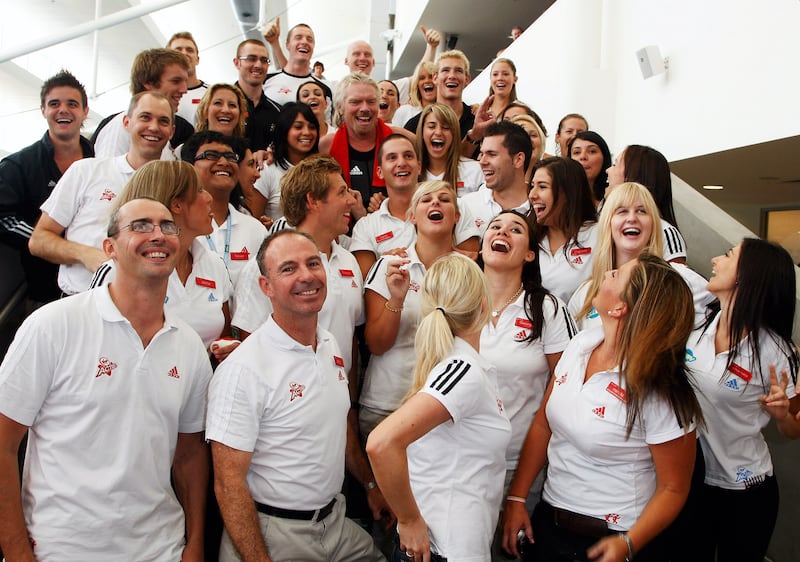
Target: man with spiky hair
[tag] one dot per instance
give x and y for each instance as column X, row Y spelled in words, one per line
column 28, row 177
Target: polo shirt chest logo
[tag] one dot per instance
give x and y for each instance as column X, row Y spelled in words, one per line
column 599, row 412
column 174, row 372
column 479, row 222
column 500, row 406
column 284, row 90
column 414, row 286
column 104, row 367
column 689, row 357
column 613, row 518
column 356, row 171
column 525, row 324
column 741, row 374
column 107, row 195
column 576, row 254
column 295, row 390
column 561, row 380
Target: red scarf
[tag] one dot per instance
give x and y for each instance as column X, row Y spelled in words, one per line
column 340, row 150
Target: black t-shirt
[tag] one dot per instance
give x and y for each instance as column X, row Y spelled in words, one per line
column 361, row 168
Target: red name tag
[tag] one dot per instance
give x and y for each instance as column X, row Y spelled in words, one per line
column 580, row 251
column 244, row 255
column 384, row 237
column 346, row 273
column 459, row 184
column 617, row 391
column 206, row 283
column 524, row 323
column 339, row 361
column 195, row 100
column 740, row 372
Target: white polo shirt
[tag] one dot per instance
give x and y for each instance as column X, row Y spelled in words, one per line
column 187, row 108
column 380, row 232
column 288, row 405
column 457, row 469
column 81, row 202
column 563, row 273
column 237, row 240
column 470, row 176
column 389, row 376
column 522, row 368
column 199, row 302
column 114, row 140
column 269, row 185
column 593, row 468
column 735, row 451
column 104, row 417
column 343, row 309
column 484, row 208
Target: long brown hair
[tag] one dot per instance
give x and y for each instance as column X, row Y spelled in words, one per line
column 652, row 344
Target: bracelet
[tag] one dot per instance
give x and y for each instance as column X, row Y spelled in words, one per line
column 390, row 309
column 468, row 138
column 516, row 499
column 628, row 542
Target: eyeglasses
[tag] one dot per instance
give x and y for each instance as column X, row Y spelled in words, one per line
column 252, row 59
column 214, row 155
column 145, row 226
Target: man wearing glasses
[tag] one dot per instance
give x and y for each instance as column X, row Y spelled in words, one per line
column 112, row 389
column 82, row 199
column 252, row 63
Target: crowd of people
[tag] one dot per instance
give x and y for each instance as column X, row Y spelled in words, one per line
column 286, row 318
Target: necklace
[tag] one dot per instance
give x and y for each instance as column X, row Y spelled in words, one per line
column 496, row 313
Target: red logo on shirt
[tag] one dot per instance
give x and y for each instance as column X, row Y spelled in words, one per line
column 599, row 412
column 107, row 195
column 341, row 376
column 295, row 390
column 500, row 405
column 523, row 323
column 561, row 380
column 244, row 255
column 521, row 335
column 580, row 251
column 613, row 518
column 104, row 367
column 479, row 222
column 740, row 372
column 210, row 283
column 174, row 373
column 617, row 391
column 384, row 237
column 578, row 261
column 338, row 360
column 354, row 284
column 414, row 286
column 284, row 90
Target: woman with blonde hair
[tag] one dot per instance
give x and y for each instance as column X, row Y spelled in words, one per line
column 421, row 93
column 629, row 225
column 199, row 288
column 440, row 458
column 439, row 149
column 391, row 300
column 223, row 108
column 538, row 140
column 617, row 428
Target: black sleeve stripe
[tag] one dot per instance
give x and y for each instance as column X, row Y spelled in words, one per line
column 673, row 241
column 568, row 320
column 373, row 271
column 100, row 276
column 453, row 373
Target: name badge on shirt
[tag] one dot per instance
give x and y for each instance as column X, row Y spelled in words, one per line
column 384, row 237
column 195, row 100
column 346, row 273
column 338, row 361
column 580, row 251
column 210, row 283
column 523, row 323
column 244, row 255
column 617, row 391
column 740, row 372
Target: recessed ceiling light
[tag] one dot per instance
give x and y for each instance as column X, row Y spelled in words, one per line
column 713, row 187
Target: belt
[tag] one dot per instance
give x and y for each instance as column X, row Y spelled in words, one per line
column 579, row 524
column 302, row 515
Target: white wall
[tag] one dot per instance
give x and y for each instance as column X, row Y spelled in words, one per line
column 732, row 78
